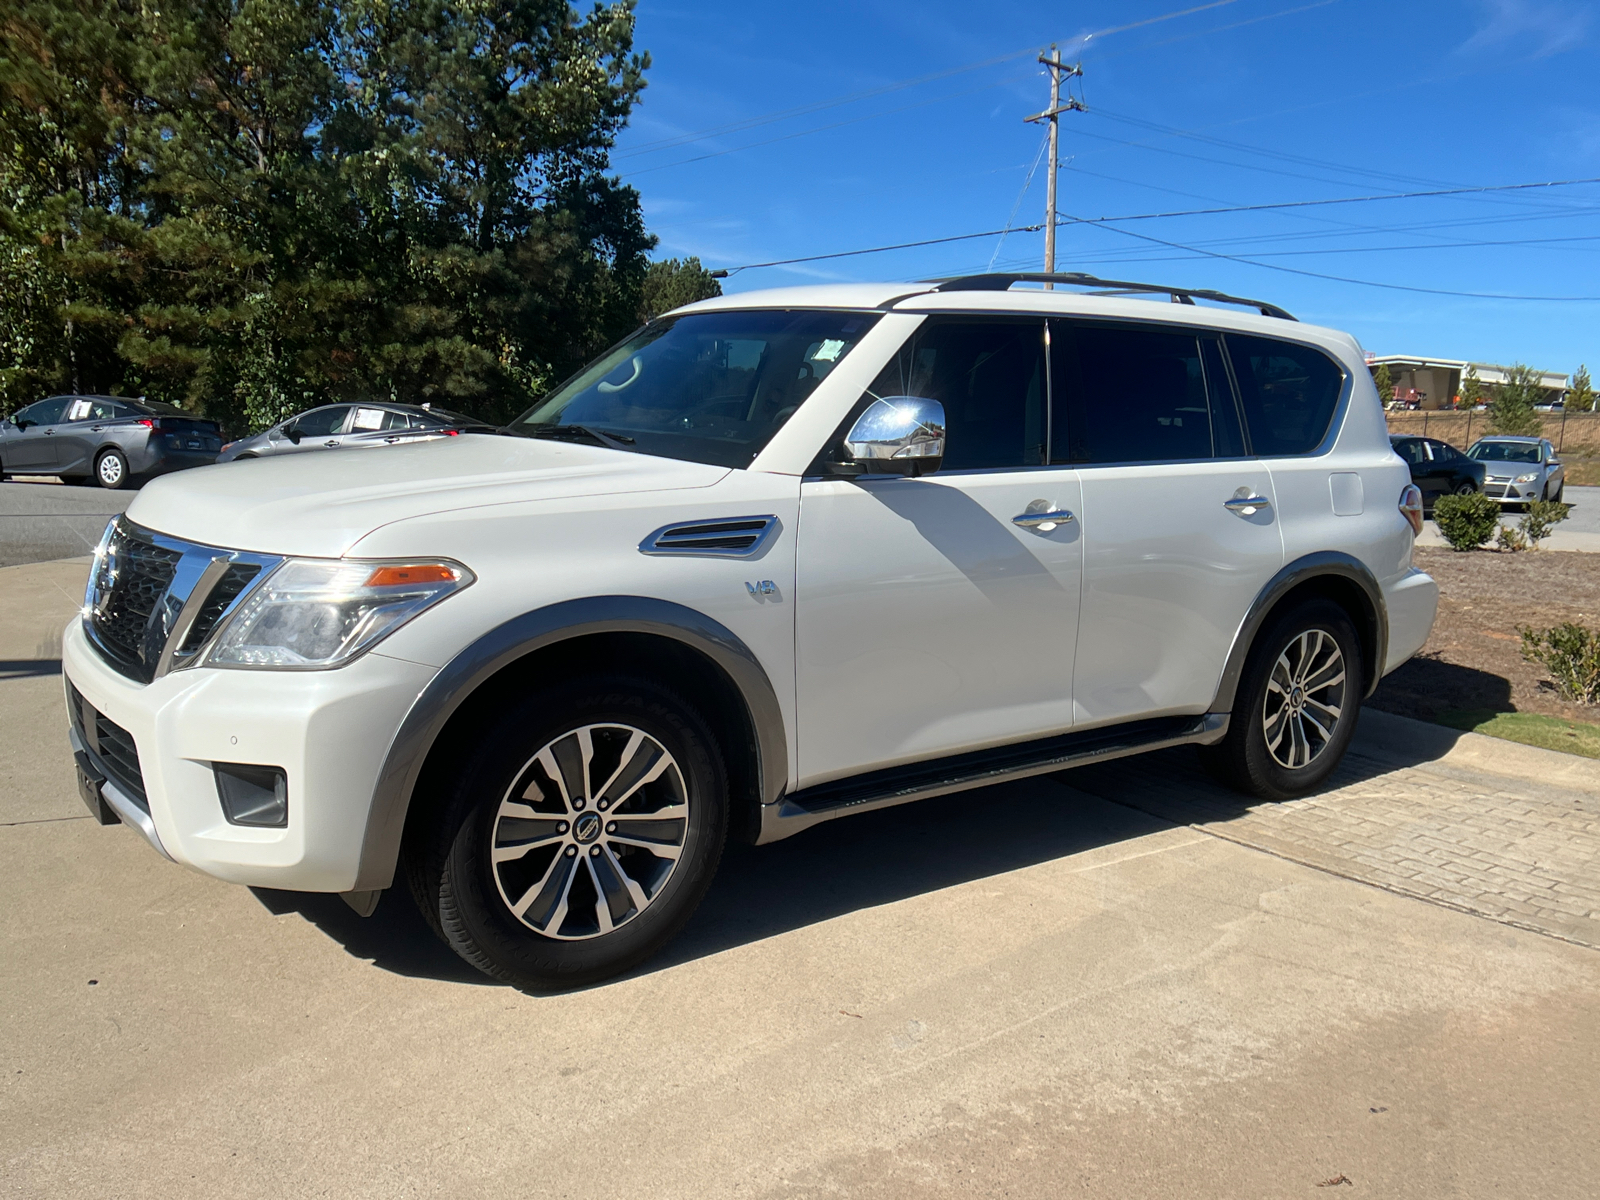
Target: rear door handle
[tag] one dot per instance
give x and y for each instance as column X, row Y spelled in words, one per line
column 1044, row 522
column 1245, row 503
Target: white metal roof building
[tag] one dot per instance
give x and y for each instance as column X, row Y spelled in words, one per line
column 1434, row 381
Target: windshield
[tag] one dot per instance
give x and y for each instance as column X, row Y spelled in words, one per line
column 1516, row 452
column 707, row 387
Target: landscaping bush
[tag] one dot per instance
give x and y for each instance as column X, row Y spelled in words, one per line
column 1571, row 653
column 1467, row 522
column 1511, row 539
column 1542, row 516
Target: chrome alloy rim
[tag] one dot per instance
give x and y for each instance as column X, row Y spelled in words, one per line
column 110, row 468
column 1305, row 698
column 590, row 831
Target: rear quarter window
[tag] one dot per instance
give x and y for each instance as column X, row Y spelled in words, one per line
column 1289, row 392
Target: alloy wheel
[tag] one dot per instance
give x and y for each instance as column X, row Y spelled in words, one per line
column 1305, row 699
column 590, row 831
column 110, row 469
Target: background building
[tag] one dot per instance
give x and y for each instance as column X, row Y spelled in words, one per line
column 1434, row 382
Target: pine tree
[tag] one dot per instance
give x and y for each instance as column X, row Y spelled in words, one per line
column 253, row 206
column 1471, row 388
column 1511, row 411
column 1581, row 395
column 670, row 283
column 1384, row 382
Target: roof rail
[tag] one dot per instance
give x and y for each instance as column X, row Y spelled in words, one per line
column 1180, row 295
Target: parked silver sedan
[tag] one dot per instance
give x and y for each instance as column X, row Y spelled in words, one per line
column 1520, row 470
column 350, row 426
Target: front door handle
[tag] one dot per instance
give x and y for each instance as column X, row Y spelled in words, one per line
column 1245, row 503
column 331, row 444
column 1044, row 521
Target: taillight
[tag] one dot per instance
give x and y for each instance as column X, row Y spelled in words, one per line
column 1411, row 506
column 147, row 423
column 452, row 433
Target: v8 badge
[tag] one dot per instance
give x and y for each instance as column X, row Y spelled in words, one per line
column 762, row 587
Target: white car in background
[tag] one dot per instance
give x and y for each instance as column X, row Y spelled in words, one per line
column 777, row 558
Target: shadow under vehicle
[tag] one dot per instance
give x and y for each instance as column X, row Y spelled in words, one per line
column 349, row 426
column 114, row 440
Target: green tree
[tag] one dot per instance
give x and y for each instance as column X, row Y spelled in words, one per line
column 252, row 206
column 1384, row 382
column 1511, row 410
column 1471, row 388
column 1581, row 395
column 670, row 283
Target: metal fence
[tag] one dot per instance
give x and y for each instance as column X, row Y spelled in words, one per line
column 1576, row 433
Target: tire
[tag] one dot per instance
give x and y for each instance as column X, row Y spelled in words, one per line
column 111, row 469
column 1466, row 488
column 536, row 919
column 1248, row 759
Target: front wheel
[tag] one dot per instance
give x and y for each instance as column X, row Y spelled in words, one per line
column 1296, row 707
column 579, row 835
column 111, row 469
column 1466, row 488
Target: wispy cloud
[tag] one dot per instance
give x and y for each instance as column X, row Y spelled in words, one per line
column 1538, row 27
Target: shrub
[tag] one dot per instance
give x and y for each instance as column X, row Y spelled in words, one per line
column 1511, row 539
column 1467, row 522
column 1541, row 517
column 1571, row 653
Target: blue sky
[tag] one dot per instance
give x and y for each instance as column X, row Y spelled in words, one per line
column 1244, row 102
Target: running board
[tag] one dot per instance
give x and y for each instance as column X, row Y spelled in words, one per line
column 921, row 781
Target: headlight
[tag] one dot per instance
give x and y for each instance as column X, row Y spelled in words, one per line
column 1529, row 478
column 312, row 614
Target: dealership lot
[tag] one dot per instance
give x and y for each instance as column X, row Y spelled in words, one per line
column 1120, row 980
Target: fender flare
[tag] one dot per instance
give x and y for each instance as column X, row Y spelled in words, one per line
column 533, row 631
column 1321, row 564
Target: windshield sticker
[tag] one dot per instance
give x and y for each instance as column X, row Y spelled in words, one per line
column 829, row 351
column 368, row 418
column 78, row 411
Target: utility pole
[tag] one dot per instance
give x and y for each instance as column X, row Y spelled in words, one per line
column 1058, row 72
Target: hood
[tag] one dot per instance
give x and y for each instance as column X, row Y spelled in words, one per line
column 321, row 503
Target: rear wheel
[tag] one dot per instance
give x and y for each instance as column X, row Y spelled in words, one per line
column 1296, row 707
column 578, row 835
column 1466, row 488
column 111, row 469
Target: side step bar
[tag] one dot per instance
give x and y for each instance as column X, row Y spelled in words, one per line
column 921, row 781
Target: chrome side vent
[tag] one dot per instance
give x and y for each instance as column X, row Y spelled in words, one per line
column 740, row 537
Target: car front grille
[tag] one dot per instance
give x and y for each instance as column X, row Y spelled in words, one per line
column 146, row 589
column 111, row 746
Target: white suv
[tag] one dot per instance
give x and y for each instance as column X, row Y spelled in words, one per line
column 776, row 558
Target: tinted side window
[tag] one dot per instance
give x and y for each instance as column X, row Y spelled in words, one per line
column 1289, row 393
column 989, row 375
column 1410, row 450
column 46, row 412
column 320, row 422
column 1131, row 395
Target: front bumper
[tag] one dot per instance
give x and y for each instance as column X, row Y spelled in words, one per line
column 329, row 730
column 1503, row 491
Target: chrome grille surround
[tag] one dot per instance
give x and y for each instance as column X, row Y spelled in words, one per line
column 730, row 537
column 154, row 601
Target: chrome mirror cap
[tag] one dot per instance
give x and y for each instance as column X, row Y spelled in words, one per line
column 899, row 435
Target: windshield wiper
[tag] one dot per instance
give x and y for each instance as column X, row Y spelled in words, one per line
column 568, row 432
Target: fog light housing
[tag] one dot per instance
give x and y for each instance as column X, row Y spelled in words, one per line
column 253, row 795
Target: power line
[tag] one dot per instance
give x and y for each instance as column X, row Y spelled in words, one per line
column 1393, row 287
column 1110, row 223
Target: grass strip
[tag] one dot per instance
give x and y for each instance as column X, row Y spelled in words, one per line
column 1531, row 729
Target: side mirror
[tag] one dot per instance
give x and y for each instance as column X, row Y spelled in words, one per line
column 22, row 422
column 292, row 432
column 898, row 435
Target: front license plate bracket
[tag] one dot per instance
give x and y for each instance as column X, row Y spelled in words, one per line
column 89, row 781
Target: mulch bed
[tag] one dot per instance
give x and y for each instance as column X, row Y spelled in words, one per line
column 1473, row 660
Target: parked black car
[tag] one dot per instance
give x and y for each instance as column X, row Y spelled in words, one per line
column 112, row 438
column 350, row 427
column 1438, row 468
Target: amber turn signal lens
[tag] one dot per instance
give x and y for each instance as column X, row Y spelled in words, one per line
column 412, row 573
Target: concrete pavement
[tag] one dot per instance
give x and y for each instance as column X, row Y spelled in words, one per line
column 42, row 518
column 1093, row 984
